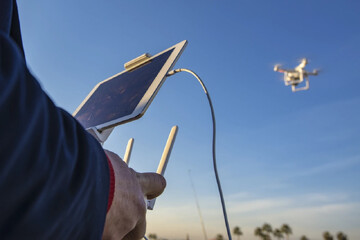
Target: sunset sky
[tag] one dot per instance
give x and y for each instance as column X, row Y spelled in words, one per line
column 283, row 157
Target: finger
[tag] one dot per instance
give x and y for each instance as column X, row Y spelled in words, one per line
column 152, row 184
column 138, row 232
column 115, row 159
column 112, row 155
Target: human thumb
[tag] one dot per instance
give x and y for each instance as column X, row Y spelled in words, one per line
column 152, row 184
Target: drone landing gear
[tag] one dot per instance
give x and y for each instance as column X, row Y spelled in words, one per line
column 294, row 87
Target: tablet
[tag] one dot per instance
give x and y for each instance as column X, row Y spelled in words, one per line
column 126, row 96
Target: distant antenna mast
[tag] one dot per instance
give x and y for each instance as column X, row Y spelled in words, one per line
column 198, row 207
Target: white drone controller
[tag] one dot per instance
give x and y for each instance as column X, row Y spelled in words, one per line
column 163, row 161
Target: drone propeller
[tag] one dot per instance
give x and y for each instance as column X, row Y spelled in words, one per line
column 315, row 72
column 277, row 67
column 318, row 70
column 299, row 60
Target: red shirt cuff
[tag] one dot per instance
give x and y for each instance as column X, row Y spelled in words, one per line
column 111, row 185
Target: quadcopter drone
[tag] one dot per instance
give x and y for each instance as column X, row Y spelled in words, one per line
column 295, row 76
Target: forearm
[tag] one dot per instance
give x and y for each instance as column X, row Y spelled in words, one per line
column 54, row 176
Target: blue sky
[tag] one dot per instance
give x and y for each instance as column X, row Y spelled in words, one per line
column 283, row 157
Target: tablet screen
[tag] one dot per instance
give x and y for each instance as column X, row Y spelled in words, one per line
column 120, row 95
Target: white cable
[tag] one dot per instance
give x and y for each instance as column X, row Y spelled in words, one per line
column 213, row 143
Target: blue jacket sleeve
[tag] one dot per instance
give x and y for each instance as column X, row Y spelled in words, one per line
column 54, row 177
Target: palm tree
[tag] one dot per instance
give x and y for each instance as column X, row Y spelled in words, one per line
column 286, row 229
column 327, row 236
column 258, row 232
column 266, row 237
column 267, row 228
column 278, row 234
column 237, row 231
column 341, row 236
column 153, row 236
column 219, row 237
column 303, row 237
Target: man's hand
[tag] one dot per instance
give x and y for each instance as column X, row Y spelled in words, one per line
column 126, row 216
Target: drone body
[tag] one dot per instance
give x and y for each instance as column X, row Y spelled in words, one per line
column 296, row 76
